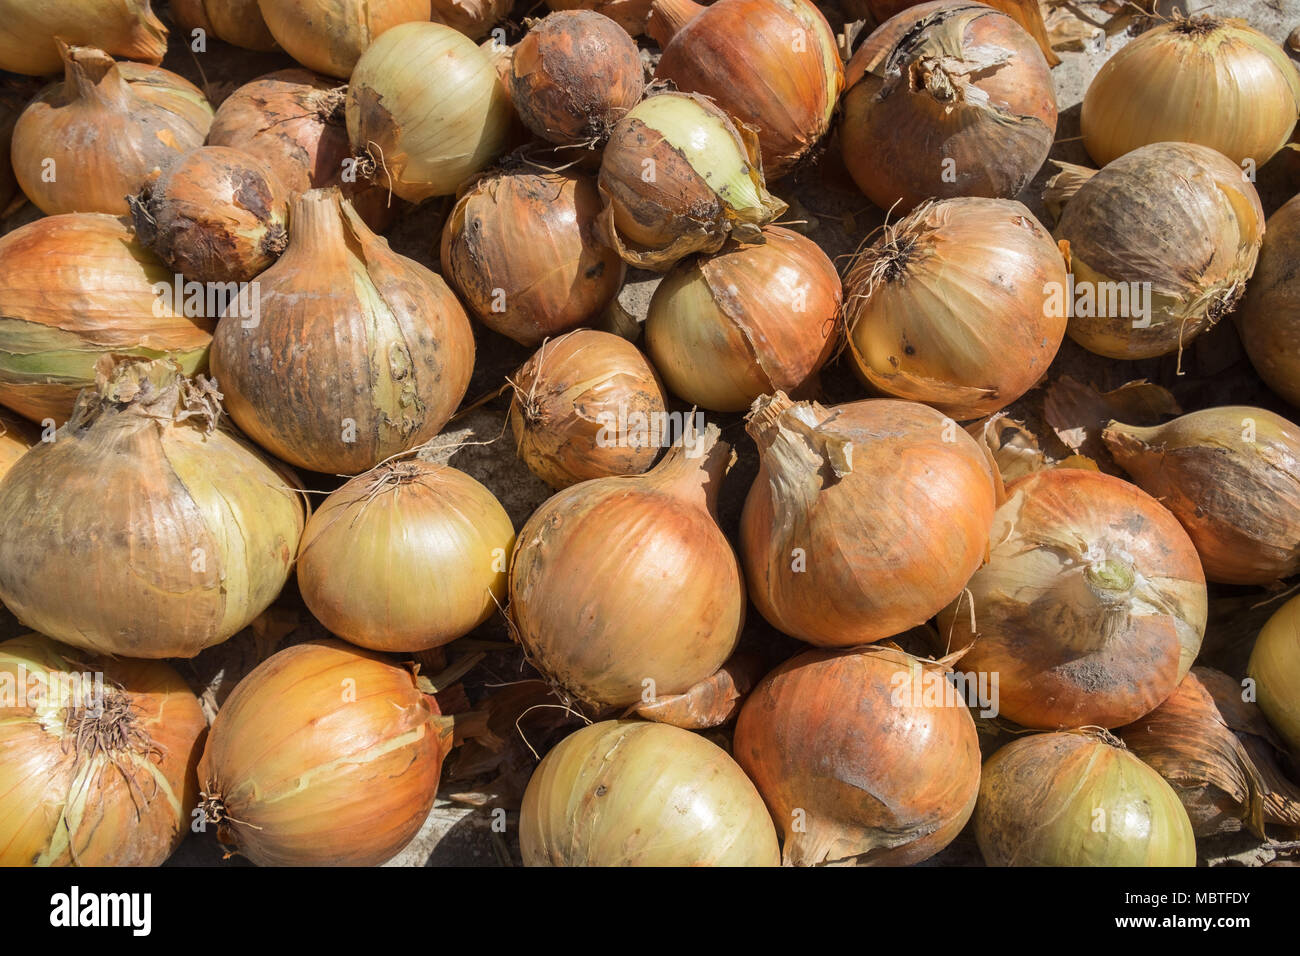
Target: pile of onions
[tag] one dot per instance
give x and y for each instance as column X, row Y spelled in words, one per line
column 949, row 98
column 357, row 353
column 1193, row 228
column 725, row 328
column 858, row 758
column 16, row 437
column 1275, row 668
column 1160, row 87
column 348, row 776
column 1092, row 604
column 424, row 138
column 149, row 116
column 785, row 88
column 678, row 177
column 74, row 288
column 216, row 215
column 631, row 15
column 329, row 36
column 947, row 307
column 623, row 587
column 474, row 18
column 864, row 519
column 409, row 556
column 1269, row 318
column 580, row 405
column 559, row 277
column 573, row 76
column 630, row 793
column 1231, row 475
column 144, row 529
column 29, row 43
column 1078, row 799
column 237, row 22
column 97, row 758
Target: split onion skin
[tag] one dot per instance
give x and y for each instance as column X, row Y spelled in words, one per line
column 1070, row 799
column 1275, row 668
column 1269, row 318
column 237, row 22
column 124, row 28
column 633, row 793
column 329, row 36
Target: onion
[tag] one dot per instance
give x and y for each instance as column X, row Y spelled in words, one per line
column 583, row 405
column 1269, row 317
column 329, row 36
column 426, row 138
column 1159, row 89
column 96, row 758
column 1092, row 604
column 356, row 354
column 947, row 99
column 725, row 328
column 1231, row 475
column 74, row 288
column 348, row 776
column 144, row 529
column 474, row 18
column 16, row 437
column 29, row 41
column 521, row 247
column 631, row 15
column 1192, row 231
column 1077, row 799
column 237, row 22
column 864, row 519
column 148, row 115
column 1275, row 668
column 216, row 215
column 629, row 793
column 677, row 178
column 772, row 64
column 858, row 758
column 409, row 556
column 597, row 590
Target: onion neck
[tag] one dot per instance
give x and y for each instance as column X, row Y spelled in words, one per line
column 800, row 457
column 1128, row 444
column 694, row 468
column 92, row 75
column 667, row 17
column 320, row 231
column 1105, row 597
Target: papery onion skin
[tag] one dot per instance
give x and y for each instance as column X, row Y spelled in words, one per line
column 76, row 287
column 351, row 772
column 948, row 307
column 911, row 132
column 1231, row 475
column 474, row 18
column 237, row 22
column 747, row 320
column 1269, row 317
column 329, row 36
column 855, row 763
column 16, row 437
column 631, row 15
column 1071, row 799
column 571, row 400
column 69, row 799
column 1091, row 606
column 1275, row 668
column 864, row 519
column 125, row 28
column 1024, row 12
column 631, row 793
column 15, row 93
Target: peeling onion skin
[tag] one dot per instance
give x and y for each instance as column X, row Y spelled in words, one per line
column 631, row 15
column 351, row 772
column 237, row 22
column 123, row 28
column 474, row 18
column 17, row 436
column 1275, row 667
column 845, row 736
column 631, row 793
column 1039, row 802
column 329, row 36
column 1269, row 318
column 1091, row 606
column 906, row 117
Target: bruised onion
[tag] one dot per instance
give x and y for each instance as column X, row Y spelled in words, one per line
column 630, row 793
column 237, row 22
column 864, row 519
column 1269, row 318
column 1275, row 668
column 29, row 42
column 1092, row 604
column 747, row 320
column 329, row 36
column 631, row 15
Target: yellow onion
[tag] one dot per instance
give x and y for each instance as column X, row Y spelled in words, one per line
column 409, row 556
column 355, row 354
column 947, row 99
column 947, row 307
column 237, row 22
column 350, row 772
column 1203, row 79
column 1078, row 799
column 677, row 177
column 623, row 587
column 1231, row 475
column 860, row 756
column 864, row 519
column 144, row 529
column 582, row 408
column 329, row 36
column 30, row 38
column 771, row 64
column 76, row 287
column 1091, row 607
column 631, row 15
column 16, row 437
column 425, row 138
column 631, row 793
column 1269, row 318
column 474, row 18
column 747, row 320
column 216, row 215
column 522, row 249
column 85, row 144
column 97, row 757
column 1275, row 668
column 1192, row 231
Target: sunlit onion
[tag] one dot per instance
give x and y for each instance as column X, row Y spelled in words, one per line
column 124, row 28
column 1269, row 317
column 237, row 22
column 1275, row 668
column 328, row 36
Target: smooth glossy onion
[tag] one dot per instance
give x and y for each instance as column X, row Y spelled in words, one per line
column 237, row 22
column 125, row 28
column 329, row 36
column 1269, row 317
column 1275, row 668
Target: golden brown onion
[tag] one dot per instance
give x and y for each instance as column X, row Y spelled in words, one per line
column 329, row 36
column 125, row 28
column 237, row 22
column 1027, row 13
column 474, row 18
column 1275, row 668
column 1269, row 317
